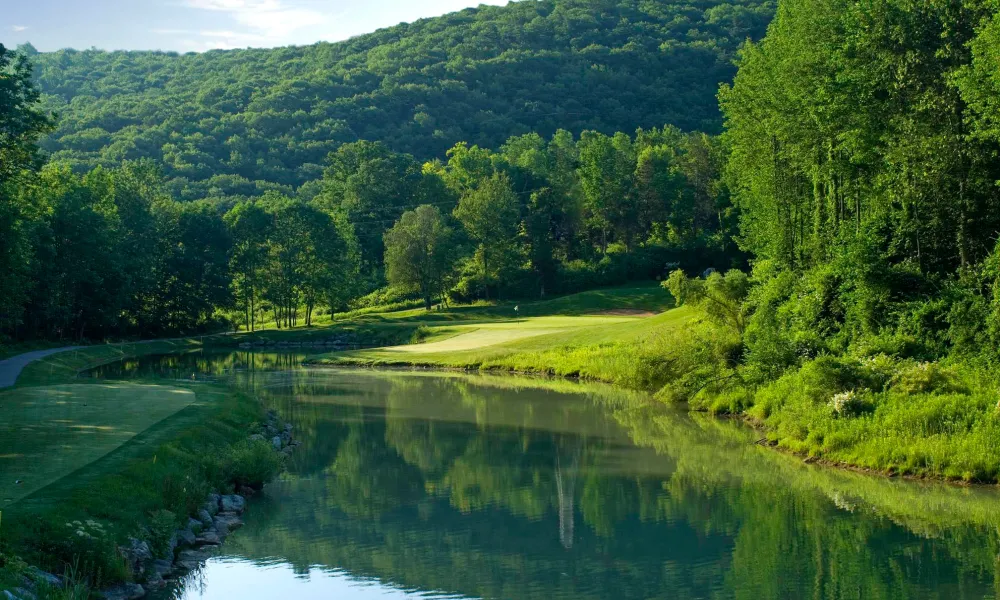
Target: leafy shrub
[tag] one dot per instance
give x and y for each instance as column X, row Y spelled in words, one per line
column 381, row 297
column 251, row 463
column 720, row 296
column 162, row 525
column 928, row 377
column 848, row 404
column 879, row 370
column 697, row 364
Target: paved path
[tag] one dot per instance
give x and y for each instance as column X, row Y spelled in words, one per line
column 12, row 367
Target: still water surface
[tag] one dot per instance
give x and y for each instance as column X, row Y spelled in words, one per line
column 413, row 485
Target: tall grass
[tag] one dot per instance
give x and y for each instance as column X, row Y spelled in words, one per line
column 919, row 419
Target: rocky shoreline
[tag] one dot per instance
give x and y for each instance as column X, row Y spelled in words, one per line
column 188, row 548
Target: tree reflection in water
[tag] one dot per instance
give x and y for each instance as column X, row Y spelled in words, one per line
column 506, row 488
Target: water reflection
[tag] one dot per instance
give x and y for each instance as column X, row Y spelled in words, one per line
column 456, row 486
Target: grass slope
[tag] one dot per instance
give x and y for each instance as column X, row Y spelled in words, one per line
column 65, row 366
column 49, row 432
column 603, row 335
column 99, row 462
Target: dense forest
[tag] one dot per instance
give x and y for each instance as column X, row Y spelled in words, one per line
column 154, row 194
column 863, row 156
column 248, row 121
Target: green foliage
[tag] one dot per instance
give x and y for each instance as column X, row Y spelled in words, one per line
column 88, row 548
column 847, row 190
column 371, row 186
column 420, row 252
column 244, row 122
column 21, row 122
column 250, row 463
column 720, row 296
column 115, row 256
column 161, row 527
column 490, row 215
column 925, row 377
column 929, row 420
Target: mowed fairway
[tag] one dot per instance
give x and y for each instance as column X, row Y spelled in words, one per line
column 601, row 335
column 483, row 335
column 48, row 432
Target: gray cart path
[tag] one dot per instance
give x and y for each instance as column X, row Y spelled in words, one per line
column 11, row 368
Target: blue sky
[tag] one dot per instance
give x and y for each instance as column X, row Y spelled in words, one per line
column 198, row 25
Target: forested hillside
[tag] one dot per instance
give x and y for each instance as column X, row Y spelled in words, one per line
column 242, row 122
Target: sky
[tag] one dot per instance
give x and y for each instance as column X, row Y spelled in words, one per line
column 199, row 25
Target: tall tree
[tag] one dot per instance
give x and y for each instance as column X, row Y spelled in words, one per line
column 79, row 286
column 490, row 214
column 607, row 167
column 420, row 253
column 372, row 186
column 21, row 122
column 192, row 268
column 250, row 226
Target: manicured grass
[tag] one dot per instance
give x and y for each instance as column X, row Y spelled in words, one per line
column 47, row 432
column 375, row 327
column 146, row 488
column 114, row 460
column 605, row 335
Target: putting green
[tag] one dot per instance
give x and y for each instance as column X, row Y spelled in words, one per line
column 474, row 337
column 48, row 432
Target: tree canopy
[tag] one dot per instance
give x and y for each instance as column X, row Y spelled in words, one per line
column 242, row 122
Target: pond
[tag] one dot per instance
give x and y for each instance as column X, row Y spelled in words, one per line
column 412, row 484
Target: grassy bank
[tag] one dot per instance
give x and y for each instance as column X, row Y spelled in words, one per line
column 621, row 336
column 870, row 412
column 92, row 464
column 881, row 414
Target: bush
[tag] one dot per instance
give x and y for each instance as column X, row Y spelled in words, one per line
column 848, row 404
column 162, row 525
column 928, row 377
column 248, row 463
column 381, row 297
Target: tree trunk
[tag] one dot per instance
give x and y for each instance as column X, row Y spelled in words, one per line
column 486, row 275
column 963, row 234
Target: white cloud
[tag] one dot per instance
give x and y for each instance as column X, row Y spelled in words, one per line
column 18, row 28
column 208, row 33
column 274, row 21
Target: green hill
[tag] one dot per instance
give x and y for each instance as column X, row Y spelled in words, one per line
column 243, row 121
